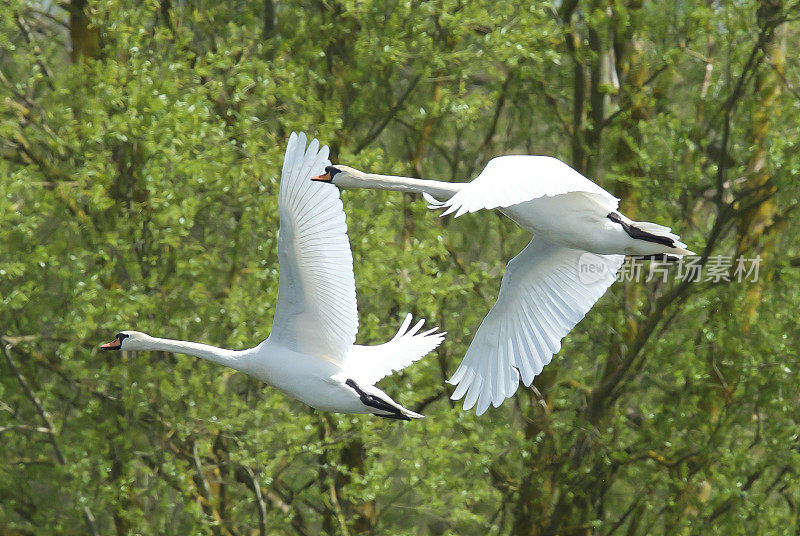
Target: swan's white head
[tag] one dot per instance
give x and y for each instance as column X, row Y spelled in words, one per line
column 342, row 176
column 128, row 340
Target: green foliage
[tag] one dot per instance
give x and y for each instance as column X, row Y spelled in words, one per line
column 138, row 189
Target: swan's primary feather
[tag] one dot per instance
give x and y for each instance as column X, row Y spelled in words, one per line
column 316, row 311
column 541, row 299
column 510, row 180
column 371, row 363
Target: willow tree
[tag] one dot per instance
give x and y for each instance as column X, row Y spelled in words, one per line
column 140, row 151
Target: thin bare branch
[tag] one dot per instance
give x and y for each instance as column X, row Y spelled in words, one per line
column 377, row 129
column 88, row 516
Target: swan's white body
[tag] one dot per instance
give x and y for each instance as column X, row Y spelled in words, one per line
column 543, row 294
column 310, row 354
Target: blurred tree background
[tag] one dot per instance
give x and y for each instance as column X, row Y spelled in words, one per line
column 140, row 151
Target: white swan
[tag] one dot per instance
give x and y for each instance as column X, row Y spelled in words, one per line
column 580, row 242
column 310, row 354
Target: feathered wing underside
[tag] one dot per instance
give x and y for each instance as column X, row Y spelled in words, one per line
column 543, row 295
column 316, row 311
column 514, row 179
column 371, row 363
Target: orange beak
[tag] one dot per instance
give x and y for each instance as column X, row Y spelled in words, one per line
column 323, row 178
column 116, row 344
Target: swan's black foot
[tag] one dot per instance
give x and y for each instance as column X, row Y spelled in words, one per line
column 375, row 402
column 635, row 232
column 399, row 417
column 663, row 257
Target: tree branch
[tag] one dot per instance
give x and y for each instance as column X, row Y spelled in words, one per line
column 88, row 517
column 373, row 134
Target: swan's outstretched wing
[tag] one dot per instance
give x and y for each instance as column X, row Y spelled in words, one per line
column 514, row 179
column 316, row 310
column 546, row 290
column 371, row 363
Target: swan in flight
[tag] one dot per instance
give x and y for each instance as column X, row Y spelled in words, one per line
column 580, row 242
column 310, row 354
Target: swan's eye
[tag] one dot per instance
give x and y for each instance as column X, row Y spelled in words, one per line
column 122, row 337
column 332, row 170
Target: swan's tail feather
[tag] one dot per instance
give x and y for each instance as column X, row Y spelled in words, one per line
column 400, row 413
column 681, row 249
column 408, row 413
column 432, row 201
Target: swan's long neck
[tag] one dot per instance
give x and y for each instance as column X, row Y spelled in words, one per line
column 437, row 189
column 230, row 358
